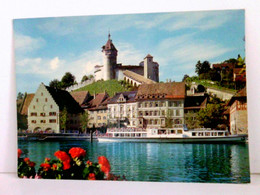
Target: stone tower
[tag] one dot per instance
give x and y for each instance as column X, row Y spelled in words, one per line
column 151, row 68
column 110, row 55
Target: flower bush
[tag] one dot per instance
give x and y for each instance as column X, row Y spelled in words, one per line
column 69, row 165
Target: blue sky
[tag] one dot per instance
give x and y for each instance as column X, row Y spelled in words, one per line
column 46, row 48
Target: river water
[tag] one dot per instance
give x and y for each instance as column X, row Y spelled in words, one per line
column 160, row 162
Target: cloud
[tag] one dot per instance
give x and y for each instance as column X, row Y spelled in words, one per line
column 178, row 55
column 54, row 63
column 128, row 54
column 25, row 43
column 198, row 20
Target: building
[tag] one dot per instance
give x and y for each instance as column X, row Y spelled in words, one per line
column 238, row 113
column 82, row 97
column 22, row 111
column 113, row 70
column 97, row 110
column 122, row 110
column 192, row 105
column 45, row 109
column 160, row 105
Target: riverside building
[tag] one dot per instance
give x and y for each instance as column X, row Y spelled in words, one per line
column 45, row 109
column 160, row 105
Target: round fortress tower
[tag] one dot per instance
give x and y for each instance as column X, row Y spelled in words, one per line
column 110, row 55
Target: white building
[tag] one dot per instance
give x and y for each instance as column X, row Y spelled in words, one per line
column 148, row 69
column 45, row 107
column 122, row 110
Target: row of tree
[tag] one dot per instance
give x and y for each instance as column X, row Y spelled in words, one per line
column 64, row 120
column 68, row 80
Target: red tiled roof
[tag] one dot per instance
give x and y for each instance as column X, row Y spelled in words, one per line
column 239, row 95
column 229, row 65
column 161, row 91
column 109, row 45
column 98, row 100
column 195, row 102
column 26, row 102
column 148, row 56
column 80, row 96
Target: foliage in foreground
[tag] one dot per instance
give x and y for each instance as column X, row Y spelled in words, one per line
column 69, row 165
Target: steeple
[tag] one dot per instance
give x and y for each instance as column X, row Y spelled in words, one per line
column 110, row 58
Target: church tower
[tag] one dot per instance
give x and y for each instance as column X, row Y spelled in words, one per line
column 110, row 55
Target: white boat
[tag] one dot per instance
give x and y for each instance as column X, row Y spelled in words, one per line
column 177, row 134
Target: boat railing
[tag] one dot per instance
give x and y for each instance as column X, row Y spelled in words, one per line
column 110, row 130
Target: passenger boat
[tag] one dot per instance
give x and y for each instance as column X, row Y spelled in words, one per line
column 177, row 134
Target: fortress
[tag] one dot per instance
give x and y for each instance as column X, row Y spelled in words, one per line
column 146, row 72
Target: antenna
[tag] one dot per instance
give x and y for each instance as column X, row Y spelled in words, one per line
column 109, row 34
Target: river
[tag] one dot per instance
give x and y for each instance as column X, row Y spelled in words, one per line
column 160, row 162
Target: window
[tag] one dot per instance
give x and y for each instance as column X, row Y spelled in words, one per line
column 52, row 113
column 42, row 114
column 51, row 106
column 177, row 112
column 163, row 112
column 99, row 117
column 37, row 100
column 41, row 94
column 43, row 121
column 141, row 113
column 104, row 118
column 52, row 121
column 33, row 113
column 33, row 107
column 46, row 99
column 33, row 121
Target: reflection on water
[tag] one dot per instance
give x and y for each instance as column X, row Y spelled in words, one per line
column 158, row 161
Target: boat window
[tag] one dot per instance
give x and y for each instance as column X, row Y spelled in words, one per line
column 179, row 131
column 172, row 132
column 193, row 134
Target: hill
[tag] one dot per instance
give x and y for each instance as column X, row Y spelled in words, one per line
column 110, row 86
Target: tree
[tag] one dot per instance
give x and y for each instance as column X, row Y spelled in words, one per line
column 67, row 80
column 64, row 119
column 55, row 84
column 84, row 78
column 90, row 76
column 20, row 96
column 84, row 119
column 191, row 120
column 211, row 116
column 185, row 77
column 168, row 119
column 202, row 67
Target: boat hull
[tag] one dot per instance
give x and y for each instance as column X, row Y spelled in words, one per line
column 226, row 139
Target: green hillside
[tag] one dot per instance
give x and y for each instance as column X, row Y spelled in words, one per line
column 110, row 86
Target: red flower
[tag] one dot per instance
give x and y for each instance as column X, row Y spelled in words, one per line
column 66, row 164
column 19, row 152
column 89, row 163
column 54, row 166
column 26, row 160
column 63, row 156
column 91, row 176
column 105, row 166
column 45, row 166
column 77, row 152
column 31, row 164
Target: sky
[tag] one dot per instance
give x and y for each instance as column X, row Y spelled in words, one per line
column 46, row 48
